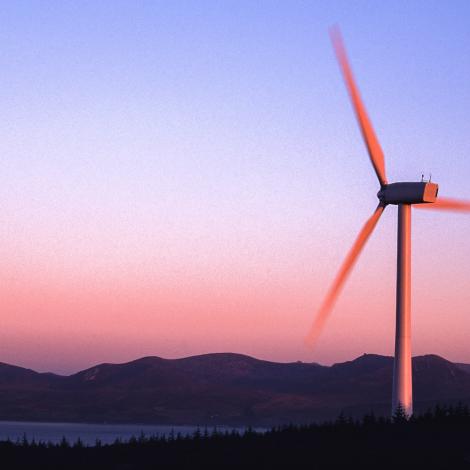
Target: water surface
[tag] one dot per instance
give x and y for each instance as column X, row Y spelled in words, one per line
column 87, row 433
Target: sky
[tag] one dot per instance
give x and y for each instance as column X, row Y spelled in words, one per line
column 179, row 178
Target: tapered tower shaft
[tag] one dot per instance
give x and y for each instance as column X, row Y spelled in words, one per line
column 402, row 377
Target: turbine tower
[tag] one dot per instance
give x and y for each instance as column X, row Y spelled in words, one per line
column 403, row 194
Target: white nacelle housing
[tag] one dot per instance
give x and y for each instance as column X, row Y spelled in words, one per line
column 408, row 193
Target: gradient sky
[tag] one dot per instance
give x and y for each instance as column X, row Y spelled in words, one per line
column 185, row 177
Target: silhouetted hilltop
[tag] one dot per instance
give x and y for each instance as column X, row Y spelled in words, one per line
column 14, row 376
column 223, row 388
column 464, row 367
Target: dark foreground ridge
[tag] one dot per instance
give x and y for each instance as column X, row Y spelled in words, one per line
column 225, row 388
column 435, row 440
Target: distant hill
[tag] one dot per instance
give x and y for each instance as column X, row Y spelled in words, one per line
column 223, row 388
column 465, row 367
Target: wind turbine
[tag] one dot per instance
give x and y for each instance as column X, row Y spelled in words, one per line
column 404, row 194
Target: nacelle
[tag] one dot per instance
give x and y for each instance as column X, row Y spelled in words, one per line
column 408, row 193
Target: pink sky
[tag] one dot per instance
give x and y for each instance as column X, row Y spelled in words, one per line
column 67, row 313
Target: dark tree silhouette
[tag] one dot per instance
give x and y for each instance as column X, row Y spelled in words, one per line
column 437, row 439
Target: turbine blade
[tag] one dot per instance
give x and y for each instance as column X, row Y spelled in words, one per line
column 342, row 275
column 373, row 147
column 446, row 204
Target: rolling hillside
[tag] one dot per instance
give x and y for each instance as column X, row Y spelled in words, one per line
column 223, row 388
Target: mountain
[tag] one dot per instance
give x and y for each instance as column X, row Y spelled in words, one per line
column 223, row 388
column 465, row 367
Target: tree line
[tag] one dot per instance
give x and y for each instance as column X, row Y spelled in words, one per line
column 436, row 439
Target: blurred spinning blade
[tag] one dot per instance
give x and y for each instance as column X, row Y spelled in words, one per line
column 342, row 275
column 446, row 204
column 373, row 147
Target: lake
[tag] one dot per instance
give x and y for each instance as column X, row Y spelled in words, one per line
column 88, row 433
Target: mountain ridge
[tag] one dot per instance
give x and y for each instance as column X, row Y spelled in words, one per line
column 223, row 388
